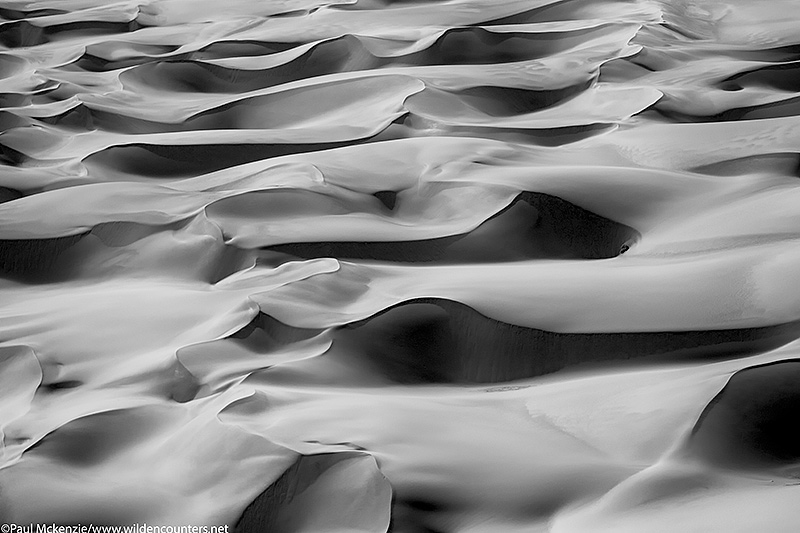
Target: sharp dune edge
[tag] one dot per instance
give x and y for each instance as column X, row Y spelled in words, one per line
column 446, row 266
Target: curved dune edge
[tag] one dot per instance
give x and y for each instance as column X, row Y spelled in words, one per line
column 434, row 340
column 341, row 491
column 533, row 226
column 740, row 453
column 397, row 265
column 748, row 424
column 598, row 296
column 140, row 434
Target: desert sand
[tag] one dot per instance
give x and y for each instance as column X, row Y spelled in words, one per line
column 444, row 266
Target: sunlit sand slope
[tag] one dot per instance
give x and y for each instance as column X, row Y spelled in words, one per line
column 450, row 266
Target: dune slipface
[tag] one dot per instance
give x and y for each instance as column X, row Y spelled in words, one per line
column 532, row 226
column 450, row 266
column 749, row 423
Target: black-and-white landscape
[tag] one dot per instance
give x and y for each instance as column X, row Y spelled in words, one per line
column 456, row 266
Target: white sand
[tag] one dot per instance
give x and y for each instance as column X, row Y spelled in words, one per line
column 400, row 265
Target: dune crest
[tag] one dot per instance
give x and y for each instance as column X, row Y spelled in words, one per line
column 450, row 266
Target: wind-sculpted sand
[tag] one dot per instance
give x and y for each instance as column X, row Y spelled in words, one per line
column 451, row 266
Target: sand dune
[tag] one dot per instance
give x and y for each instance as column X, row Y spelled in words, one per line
column 406, row 266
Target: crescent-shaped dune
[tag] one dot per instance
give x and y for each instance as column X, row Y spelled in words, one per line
column 407, row 266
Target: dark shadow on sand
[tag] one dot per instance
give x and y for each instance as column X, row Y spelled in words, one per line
column 533, row 226
column 34, row 260
column 443, row 341
column 753, row 422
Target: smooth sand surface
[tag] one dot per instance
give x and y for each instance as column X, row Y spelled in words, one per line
column 409, row 266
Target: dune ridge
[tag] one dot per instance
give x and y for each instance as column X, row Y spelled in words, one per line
column 451, row 266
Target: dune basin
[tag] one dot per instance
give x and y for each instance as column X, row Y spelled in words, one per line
column 399, row 266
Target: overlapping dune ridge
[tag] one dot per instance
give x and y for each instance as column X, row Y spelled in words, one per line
column 401, row 265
